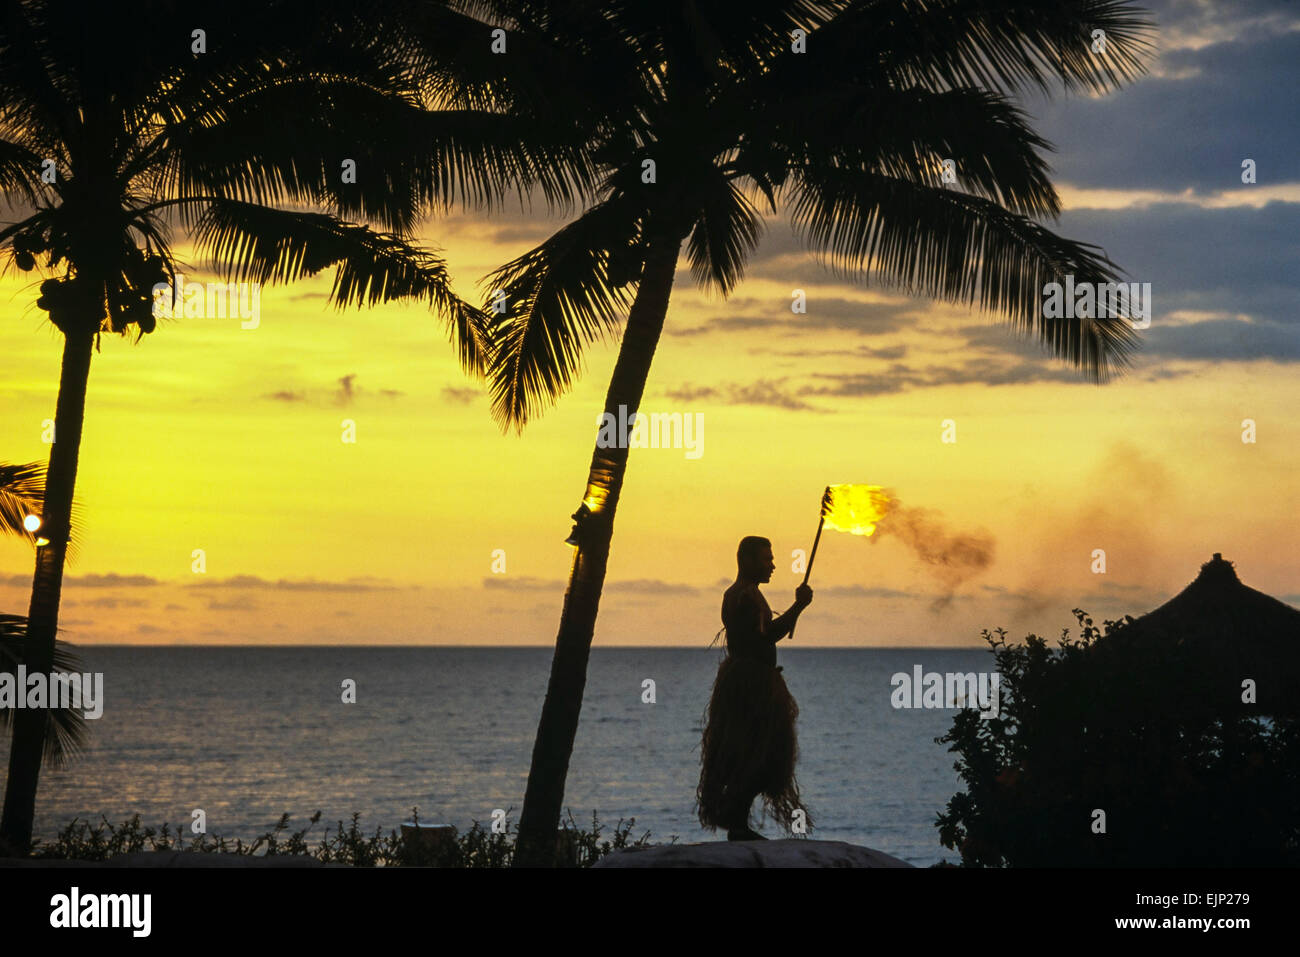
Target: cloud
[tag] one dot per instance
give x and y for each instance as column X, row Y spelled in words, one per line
column 902, row 378
column 888, row 352
column 690, row 393
column 1234, row 262
column 361, row 584
column 523, row 583
column 864, row 591
column 1206, row 110
column 635, row 586
column 111, row 580
column 107, row 601
column 459, row 394
column 345, row 394
column 824, row 314
column 348, row 392
column 650, row 586
column 1226, row 339
column 237, row 604
column 899, row 377
column 764, row 392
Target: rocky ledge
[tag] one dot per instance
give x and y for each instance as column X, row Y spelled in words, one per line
column 792, row 852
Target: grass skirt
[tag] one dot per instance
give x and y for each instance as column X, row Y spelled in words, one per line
column 749, row 747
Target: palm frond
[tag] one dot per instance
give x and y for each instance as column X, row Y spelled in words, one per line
column 20, row 180
column 282, row 137
column 725, row 233
column 560, row 296
column 66, row 731
column 32, row 86
column 565, row 60
column 907, row 134
column 253, row 243
column 960, row 248
column 1003, row 45
column 22, row 492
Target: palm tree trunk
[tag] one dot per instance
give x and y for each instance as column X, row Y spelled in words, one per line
column 540, row 816
column 47, row 585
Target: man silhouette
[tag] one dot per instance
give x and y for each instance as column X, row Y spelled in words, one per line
column 750, row 746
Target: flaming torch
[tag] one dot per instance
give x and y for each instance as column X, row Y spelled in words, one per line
column 855, row 509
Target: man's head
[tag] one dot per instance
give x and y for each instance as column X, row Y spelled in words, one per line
column 754, row 560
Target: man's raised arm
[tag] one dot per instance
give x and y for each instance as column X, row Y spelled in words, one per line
column 779, row 627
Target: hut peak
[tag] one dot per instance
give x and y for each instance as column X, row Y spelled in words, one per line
column 1218, row 571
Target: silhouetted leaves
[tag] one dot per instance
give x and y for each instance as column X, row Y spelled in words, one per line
column 1185, row 779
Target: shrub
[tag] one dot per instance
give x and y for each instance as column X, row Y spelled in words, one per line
column 477, row 847
column 1102, row 724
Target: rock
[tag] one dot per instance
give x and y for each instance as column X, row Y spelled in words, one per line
column 785, row 853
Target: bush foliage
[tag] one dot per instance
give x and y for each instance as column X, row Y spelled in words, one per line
column 477, row 847
column 1185, row 777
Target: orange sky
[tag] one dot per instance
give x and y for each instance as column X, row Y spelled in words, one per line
column 209, row 436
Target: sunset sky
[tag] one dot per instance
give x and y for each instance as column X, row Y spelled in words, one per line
column 209, row 436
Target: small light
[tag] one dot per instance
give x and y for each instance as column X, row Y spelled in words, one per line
column 42, row 542
column 578, row 517
column 32, row 522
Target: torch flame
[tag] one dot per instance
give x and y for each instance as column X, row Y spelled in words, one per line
column 855, row 508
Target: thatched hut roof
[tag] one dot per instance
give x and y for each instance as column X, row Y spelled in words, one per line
column 1223, row 631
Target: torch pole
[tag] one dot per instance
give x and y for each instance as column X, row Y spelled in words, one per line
column 813, row 555
column 821, row 522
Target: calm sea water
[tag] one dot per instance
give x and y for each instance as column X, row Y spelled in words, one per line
column 250, row 733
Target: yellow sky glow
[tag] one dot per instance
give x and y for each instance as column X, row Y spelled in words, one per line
column 208, row 436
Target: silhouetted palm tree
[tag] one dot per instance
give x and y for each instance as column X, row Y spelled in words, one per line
column 22, row 488
column 231, row 121
column 702, row 113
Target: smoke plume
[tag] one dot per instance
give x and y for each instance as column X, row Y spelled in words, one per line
column 951, row 557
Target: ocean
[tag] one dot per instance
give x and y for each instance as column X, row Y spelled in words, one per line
column 247, row 734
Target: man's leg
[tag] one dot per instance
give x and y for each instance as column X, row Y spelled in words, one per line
column 738, row 828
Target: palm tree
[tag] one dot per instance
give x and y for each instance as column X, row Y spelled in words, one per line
column 22, row 489
column 701, row 114
column 116, row 130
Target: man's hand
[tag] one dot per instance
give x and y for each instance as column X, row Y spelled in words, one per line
column 803, row 596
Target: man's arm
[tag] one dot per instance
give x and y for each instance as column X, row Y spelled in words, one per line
column 781, row 626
